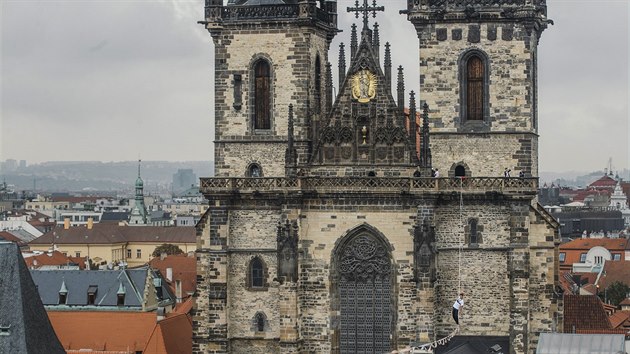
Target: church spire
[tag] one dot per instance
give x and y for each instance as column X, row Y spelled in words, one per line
column 425, row 149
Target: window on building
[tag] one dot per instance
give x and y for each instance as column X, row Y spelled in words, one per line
column 582, row 257
column 562, row 257
column 599, row 259
column 254, row 170
column 91, row 293
column 474, row 88
column 121, row 300
column 262, row 95
column 129, row 253
column 63, row 298
column 616, row 257
column 257, row 273
column 460, row 171
column 138, row 253
column 77, row 254
column 473, row 232
column 260, row 322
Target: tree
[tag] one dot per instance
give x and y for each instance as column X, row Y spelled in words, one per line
column 615, row 293
column 167, row 248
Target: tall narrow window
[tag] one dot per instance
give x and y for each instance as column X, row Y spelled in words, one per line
column 262, row 99
column 474, row 89
column 473, row 232
column 257, row 273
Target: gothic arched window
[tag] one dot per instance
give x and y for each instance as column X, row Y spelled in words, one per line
column 254, row 170
column 474, row 86
column 473, row 232
column 262, row 95
column 256, row 274
column 260, row 322
column 460, row 171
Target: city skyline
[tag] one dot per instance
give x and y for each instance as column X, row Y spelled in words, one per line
column 99, row 81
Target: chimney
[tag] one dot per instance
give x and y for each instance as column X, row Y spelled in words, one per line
column 169, row 274
column 90, row 223
column 178, row 290
column 66, row 223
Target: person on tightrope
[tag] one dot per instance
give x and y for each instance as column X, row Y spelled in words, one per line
column 457, row 306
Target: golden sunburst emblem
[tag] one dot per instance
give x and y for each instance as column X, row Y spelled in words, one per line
column 363, row 86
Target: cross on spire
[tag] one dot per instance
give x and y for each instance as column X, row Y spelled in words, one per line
column 366, row 8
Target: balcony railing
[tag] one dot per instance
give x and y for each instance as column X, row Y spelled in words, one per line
column 219, row 185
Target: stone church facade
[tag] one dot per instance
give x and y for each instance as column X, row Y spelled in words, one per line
column 326, row 232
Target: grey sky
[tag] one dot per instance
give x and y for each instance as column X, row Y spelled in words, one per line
column 114, row 80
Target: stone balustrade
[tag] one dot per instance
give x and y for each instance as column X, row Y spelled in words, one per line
column 218, row 185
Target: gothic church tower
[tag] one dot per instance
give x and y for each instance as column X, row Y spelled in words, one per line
column 478, row 68
column 269, row 54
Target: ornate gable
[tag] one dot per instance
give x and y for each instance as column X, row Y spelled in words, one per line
column 365, row 126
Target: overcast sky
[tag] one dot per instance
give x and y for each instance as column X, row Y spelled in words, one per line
column 115, row 80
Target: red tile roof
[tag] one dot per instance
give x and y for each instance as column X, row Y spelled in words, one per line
column 184, row 269
column 615, row 271
column 171, row 335
column 604, row 182
column 11, row 238
column 54, row 258
column 584, row 312
column 620, row 319
column 107, row 233
column 575, row 248
column 112, row 331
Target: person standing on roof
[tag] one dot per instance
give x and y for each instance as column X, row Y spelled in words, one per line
column 457, row 306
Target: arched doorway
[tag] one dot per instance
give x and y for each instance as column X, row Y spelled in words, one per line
column 460, row 171
column 364, row 290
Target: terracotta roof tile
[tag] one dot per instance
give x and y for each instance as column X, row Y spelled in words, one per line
column 171, row 335
column 619, row 318
column 615, row 271
column 584, row 312
column 103, row 330
column 54, row 258
column 184, row 269
column 605, row 181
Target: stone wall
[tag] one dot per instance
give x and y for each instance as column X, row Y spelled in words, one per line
column 485, row 154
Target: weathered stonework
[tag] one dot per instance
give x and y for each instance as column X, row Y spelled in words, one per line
column 344, row 208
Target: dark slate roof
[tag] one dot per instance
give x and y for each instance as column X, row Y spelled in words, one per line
column 21, row 310
column 107, row 233
column 78, row 282
column 475, row 345
column 115, row 216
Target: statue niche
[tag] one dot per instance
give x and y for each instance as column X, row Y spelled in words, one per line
column 287, row 240
column 424, row 252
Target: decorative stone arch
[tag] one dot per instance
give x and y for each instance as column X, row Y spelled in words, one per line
column 254, row 170
column 457, row 168
column 363, row 292
column 464, row 60
column 257, row 278
column 253, row 104
column 473, row 232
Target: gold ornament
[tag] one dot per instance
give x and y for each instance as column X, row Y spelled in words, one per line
column 363, row 86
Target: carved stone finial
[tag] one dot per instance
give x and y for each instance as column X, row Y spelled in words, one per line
column 388, row 65
column 353, row 41
column 401, row 91
column 365, row 9
column 342, row 64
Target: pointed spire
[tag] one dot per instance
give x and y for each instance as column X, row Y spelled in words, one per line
column 388, row 66
column 329, row 88
column 139, row 161
column 425, row 150
column 412, row 125
column 401, row 91
column 342, row 64
column 376, row 42
column 353, row 41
